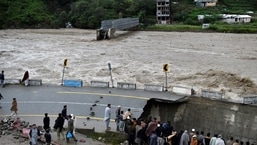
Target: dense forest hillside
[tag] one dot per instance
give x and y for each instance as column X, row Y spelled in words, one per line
column 90, row 13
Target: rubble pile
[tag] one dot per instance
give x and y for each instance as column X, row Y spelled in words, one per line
column 17, row 128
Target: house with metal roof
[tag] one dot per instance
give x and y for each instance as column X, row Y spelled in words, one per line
column 233, row 18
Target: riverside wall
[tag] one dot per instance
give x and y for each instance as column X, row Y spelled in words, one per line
column 203, row 114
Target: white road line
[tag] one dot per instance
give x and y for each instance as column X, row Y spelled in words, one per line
column 71, row 103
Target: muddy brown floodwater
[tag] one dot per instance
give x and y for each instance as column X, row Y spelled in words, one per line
column 217, row 61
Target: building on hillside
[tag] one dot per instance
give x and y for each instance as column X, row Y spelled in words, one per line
column 206, row 3
column 231, row 18
column 163, row 11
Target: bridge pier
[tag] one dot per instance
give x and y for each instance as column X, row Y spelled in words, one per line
column 111, row 32
column 105, row 34
column 101, row 34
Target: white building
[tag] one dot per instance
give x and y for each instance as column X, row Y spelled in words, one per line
column 206, row 3
column 231, row 18
column 163, row 11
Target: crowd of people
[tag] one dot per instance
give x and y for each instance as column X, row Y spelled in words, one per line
column 35, row 134
column 154, row 132
column 139, row 131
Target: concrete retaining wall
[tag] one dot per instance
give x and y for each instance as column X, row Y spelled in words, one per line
column 149, row 87
column 204, row 114
column 99, row 84
column 126, row 85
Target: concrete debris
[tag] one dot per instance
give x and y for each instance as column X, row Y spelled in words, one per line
column 18, row 128
column 82, row 140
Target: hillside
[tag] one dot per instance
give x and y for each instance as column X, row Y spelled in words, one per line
column 89, row 13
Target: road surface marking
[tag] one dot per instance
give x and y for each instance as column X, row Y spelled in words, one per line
column 39, row 115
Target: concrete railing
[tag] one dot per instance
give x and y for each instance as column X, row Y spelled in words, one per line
column 73, row 83
column 126, row 85
column 211, row 94
column 12, row 81
column 100, row 84
column 149, row 87
column 35, row 82
column 182, row 90
column 250, row 99
column 32, row 82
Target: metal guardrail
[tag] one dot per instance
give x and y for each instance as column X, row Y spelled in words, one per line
column 120, row 24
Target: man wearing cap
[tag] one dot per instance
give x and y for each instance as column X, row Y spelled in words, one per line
column 192, row 133
column 70, row 128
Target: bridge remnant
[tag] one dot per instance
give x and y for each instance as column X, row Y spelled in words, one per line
column 108, row 27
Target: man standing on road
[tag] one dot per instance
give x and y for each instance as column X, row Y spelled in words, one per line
column 64, row 112
column 46, row 122
column 2, row 79
column 117, row 120
column 1, row 97
column 70, row 129
column 107, row 116
column 14, row 108
column 59, row 126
